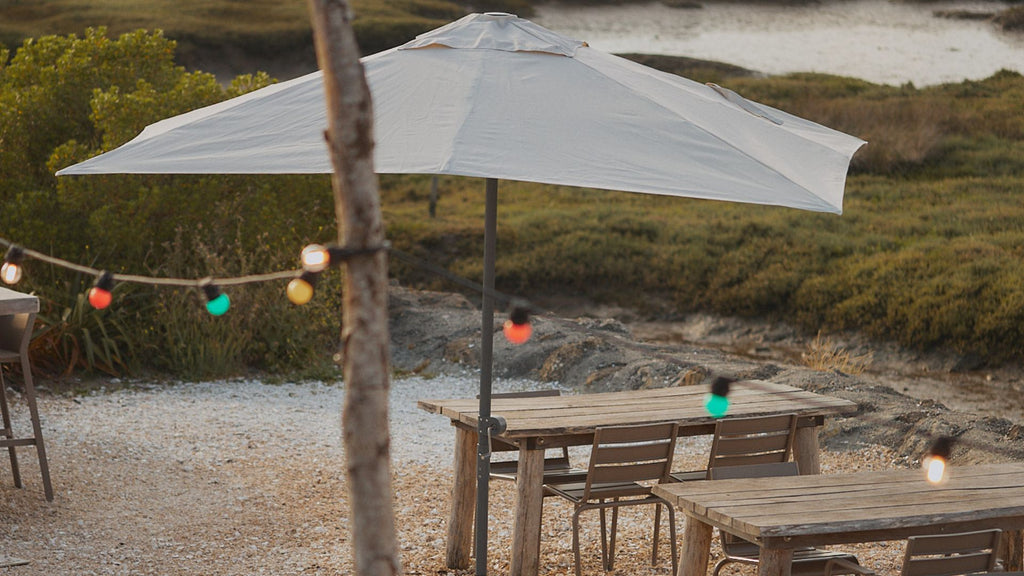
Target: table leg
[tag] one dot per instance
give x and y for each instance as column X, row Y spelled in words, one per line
column 525, row 559
column 806, row 450
column 775, row 562
column 460, row 522
column 1013, row 550
column 693, row 560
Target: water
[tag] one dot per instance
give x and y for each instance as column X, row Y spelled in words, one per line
column 876, row 40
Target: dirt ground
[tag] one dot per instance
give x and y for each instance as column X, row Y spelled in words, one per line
column 245, row 478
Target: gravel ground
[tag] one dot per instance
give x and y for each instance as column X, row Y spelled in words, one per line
column 245, row 478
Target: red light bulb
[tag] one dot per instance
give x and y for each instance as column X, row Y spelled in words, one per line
column 99, row 295
column 99, row 298
column 517, row 333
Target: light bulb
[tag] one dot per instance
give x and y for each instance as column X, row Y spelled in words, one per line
column 936, row 463
column 716, row 405
column 935, row 469
column 517, row 328
column 217, row 302
column 315, row 258
column 300, row 290
column 717, row 401
column 10, row 272
column 99, row 295
column 517, row 333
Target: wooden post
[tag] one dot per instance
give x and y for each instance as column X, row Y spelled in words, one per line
column 806, row 450
column 693, row 560
column 775, row 562
column 460, row 520
column 1013, row 550
column 364, row 334
column 525, row 559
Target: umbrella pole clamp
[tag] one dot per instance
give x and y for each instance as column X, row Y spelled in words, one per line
column 488, row 427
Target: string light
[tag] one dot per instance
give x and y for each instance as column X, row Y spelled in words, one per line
column 517, row 327
column 217, row 302
column 315, row 258
column 300, row 290
column 99, row 295
column 11, row 270
column 936, row 463
column 717, row 401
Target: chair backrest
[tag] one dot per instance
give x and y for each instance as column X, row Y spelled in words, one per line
column 754, row 440
column 767, row 470
column 951, row 554
column 641, row 453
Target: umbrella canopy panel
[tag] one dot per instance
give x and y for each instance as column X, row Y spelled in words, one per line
column 496, row 96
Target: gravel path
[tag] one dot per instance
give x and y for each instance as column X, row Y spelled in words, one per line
column 245, row 478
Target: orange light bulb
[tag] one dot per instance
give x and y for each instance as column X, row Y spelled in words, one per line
column 517, row 333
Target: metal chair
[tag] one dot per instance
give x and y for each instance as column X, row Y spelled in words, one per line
column 951, row 554
column 960, row 554
column 557, row 467
column 15, row 335
column 741, row 441
column 624, row 462
column 807, row 561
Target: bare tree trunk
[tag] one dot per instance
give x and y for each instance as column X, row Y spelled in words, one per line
column 365, row 331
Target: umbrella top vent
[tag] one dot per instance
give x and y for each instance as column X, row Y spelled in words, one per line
column 496, row 31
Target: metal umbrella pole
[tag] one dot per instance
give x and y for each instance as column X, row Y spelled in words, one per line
column 486, row 425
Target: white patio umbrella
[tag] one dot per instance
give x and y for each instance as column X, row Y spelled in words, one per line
column 496, row 96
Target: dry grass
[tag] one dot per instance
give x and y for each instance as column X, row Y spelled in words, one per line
column 824, row 354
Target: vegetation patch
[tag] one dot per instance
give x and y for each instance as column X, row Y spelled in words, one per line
column 928, row 251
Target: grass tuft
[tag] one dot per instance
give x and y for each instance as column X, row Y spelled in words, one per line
column 825, row 355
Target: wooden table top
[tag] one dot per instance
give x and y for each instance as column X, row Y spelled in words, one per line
column 859, row 507
column 13, row 302
column 575, row 415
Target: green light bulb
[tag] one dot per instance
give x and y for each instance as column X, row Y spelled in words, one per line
column 716, row 405
column 219, row 305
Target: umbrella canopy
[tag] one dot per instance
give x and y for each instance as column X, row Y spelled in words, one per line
column 496, row 96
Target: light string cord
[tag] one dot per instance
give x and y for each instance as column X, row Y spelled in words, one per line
column 499, row 297
column 151, row 280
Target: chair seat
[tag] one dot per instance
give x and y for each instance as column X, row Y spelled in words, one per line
column 574, row 490
column 806, row 561
column 555, row 471
column 689, row 476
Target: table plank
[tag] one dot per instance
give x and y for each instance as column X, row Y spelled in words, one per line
column 14, row 302
column 580, row 414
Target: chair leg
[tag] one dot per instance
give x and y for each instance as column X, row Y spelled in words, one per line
column 672, row 536
column 37, row 429
column 657, row 534
column 9, row 431
column 718, row 566
column 611, row 547
column 576, row 539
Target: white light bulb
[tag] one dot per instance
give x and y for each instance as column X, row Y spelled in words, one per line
column 10, row 273
column 315, row 258
column 935, row 469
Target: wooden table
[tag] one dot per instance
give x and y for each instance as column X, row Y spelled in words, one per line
column 783, row 513
column 17, row 317
column 535, row 424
